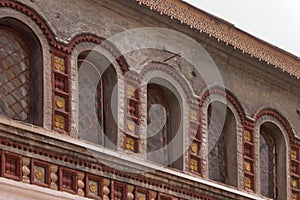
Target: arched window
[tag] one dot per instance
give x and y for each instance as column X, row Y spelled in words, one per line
column 97, row 105
column 21, row 78
column 222, row 144
column 267, row 164
column 163, row 119
column 272, row 162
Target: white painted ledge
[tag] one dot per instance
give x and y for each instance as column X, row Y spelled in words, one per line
column 13, row 190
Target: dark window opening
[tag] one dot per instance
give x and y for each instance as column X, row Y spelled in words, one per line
column 21, row 73
column 272, row 159
column 97, row 105
column 222, row 144
column 164, row 134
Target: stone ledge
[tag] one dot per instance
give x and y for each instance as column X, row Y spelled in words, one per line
column 13, row 190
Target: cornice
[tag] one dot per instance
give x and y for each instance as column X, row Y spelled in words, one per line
column 227, row 33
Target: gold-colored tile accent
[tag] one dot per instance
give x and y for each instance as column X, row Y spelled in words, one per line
column 59, row 103
column 131, row 126
column 59, row 122
column 130, row 144
column 39, row 174
column 294, row 196
column 194, row 147
column 247, row 166
column 248, row 183
column 193, row 115
column 59, row 64
column 294, row 183
column 130, row 91
column 294, row 154
column 194, row 165
column 93, row 188
column 247, row 136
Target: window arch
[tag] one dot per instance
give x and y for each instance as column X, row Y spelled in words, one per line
column 177, row 94
column 21, row 73
column 222, row 144
column 272, row 161
column 97, row 105
column 163, row 119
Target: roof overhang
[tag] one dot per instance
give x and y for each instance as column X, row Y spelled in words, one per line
column 227, row 33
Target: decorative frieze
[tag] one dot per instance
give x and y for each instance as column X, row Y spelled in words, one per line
column 295, row 172
column 61, row 91
column 224, row 32
column 196, row 140
column 249, row 160
column 93, row 185
column 132, row 117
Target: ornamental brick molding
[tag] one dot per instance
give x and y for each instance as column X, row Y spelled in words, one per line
column 229, row 96
column 87, row 37
column 225, row 32
column 171, row 71
column 71, row 180
column 280, row 118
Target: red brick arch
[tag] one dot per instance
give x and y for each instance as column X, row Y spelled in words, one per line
column 229, row 96
column 279, row 117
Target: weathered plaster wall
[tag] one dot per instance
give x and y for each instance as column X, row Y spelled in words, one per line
column 256, row 84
